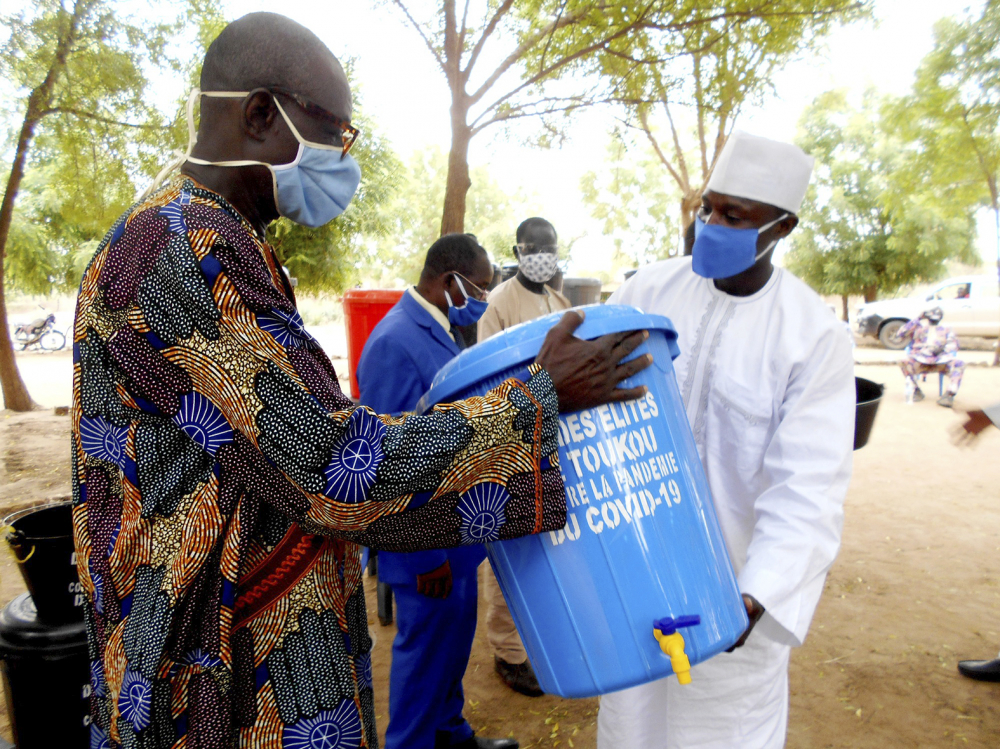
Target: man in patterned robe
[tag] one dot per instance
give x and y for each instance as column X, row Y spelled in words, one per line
column 933, row 347
column 222, row 481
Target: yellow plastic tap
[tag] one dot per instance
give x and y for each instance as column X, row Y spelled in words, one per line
column 673, row 645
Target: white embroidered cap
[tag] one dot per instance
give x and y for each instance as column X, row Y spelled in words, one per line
column 762, row 169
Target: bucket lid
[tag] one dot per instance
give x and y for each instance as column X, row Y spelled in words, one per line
column 21, row 630
column 521, row 344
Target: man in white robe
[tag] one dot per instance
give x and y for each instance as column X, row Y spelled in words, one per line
column 766, row 374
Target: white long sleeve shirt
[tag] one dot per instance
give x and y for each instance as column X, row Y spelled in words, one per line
column 768, row 383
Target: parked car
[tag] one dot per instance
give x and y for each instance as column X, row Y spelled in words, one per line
column 971, row 307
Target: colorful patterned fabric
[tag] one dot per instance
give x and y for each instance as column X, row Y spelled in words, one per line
column 223, row 484
column 932, row 348
column 929, row 344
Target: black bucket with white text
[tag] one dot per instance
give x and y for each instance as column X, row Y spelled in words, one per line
column 45, row 670
column 41, row 540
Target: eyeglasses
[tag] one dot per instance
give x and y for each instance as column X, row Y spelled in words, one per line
column 531, row 249
column 348, row 133
column 477, row 292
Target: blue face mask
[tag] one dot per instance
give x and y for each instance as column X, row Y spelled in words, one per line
column 722, row 251
column 470, row 312
column 314, row 188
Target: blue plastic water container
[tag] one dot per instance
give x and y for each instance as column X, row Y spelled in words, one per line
column 641, row 544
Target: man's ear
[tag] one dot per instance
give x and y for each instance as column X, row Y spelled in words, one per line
column 513, row 251
column 786, row 225
column 258, row 114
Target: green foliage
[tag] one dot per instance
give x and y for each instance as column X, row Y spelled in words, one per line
column 635, row 203
column 414, row 222
column 682, row 93
column 547, row 58
column 874, row 219
column 95, row 134
column 99, row 131
column 103, row 138
column 206, row 20
column 953, row 114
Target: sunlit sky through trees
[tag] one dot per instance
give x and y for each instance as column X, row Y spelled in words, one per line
column 405, row 93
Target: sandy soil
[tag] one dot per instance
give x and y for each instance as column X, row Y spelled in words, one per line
column 916, row 588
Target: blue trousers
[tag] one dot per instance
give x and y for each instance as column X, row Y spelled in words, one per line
column 429, row 657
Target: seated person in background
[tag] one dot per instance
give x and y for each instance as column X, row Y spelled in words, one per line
column 524, row 297
column 933, row 347
column 435, row 590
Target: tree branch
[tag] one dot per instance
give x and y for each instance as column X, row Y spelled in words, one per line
column 100, row 118
column 547, row 71
column 639, row 23
column 548, row 42
column 488, row 30
column 419, row 30
column 989, row 174
column 747, row 15
column 452, row 52
column 681, row 161
column 465, row 28
column 529, row 110
column 520, row 52
column 644, row 121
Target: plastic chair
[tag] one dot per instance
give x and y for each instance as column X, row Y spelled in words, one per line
column 923, row 379
column 923, row 376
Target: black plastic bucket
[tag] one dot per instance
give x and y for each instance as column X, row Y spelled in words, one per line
column 869, row 395
column 46, row 678
column 41, row 539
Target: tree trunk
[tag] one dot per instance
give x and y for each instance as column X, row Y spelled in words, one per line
column 15, row 394
column 458, row 184
column 871, row 293
column 996, row 222
column 845, row 316
column 690, row 203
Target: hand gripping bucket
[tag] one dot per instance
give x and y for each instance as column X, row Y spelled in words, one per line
column 41, row 540
column 641, row 569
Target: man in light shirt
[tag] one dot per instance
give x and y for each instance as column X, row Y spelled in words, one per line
column 527, row 295
column 524, row 297
column 766, row 375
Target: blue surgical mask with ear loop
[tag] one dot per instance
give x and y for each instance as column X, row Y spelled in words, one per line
column 470, row 312
column 314, row 188
column 722, row 251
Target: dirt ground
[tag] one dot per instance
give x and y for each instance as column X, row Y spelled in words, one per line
column 916, row 587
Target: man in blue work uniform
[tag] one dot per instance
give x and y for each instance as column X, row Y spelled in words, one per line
column 436, row 590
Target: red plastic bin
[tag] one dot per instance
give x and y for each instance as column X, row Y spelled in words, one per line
column 363, row 309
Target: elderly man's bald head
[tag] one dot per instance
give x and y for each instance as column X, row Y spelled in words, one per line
column 266, row 58
column 266, row 50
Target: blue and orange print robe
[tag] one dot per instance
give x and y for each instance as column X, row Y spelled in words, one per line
column 223, row 485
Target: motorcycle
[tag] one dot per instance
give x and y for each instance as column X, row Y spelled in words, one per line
column 41, row 333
